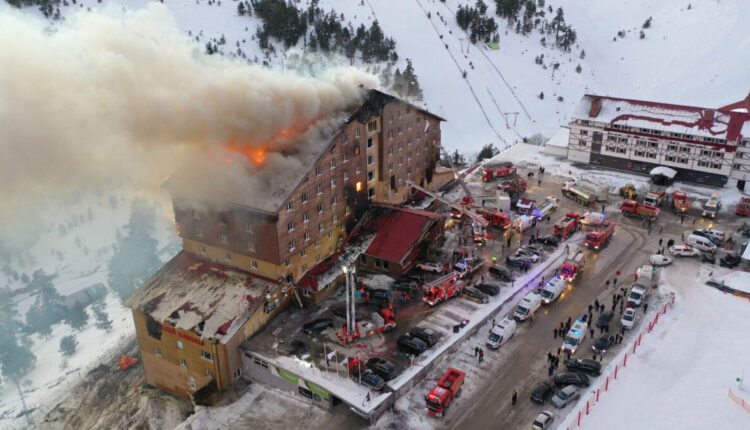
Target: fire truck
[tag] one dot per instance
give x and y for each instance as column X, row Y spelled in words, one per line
column 549, row 206
column 573, row 264
column 654, row 198
column 567, row 226
column 600, row 237
column 443, row 288
column 743, row 207
column 442, row 395
column 499, row 220
column 378, row 322
column 579, row 194
column 632, row 208
column 680, row 202
column 490, row 172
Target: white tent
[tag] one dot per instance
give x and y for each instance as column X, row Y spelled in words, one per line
column 663, row 171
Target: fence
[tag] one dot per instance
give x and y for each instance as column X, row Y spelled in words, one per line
column 740, row 401
column 575, row 418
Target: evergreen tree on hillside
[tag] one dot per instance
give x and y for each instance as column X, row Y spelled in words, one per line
column 410, row 79
column 68, row 345
column 77, row 317
column 102, row 319
column 16, row 359
column 48, row 308
column 488, row 151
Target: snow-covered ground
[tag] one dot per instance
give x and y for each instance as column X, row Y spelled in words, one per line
column 682, row 372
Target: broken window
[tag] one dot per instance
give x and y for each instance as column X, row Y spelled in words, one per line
column 153, row 328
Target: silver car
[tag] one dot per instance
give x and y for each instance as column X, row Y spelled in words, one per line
column 566, row 395
column 543, row 421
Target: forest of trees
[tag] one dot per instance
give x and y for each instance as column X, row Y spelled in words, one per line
column 475, row 21
column 49, row 8
column 530, row 15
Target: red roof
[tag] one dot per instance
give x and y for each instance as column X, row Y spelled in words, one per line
column 398, row 231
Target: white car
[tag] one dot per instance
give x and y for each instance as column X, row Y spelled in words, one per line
column 684, row 251
column 628, row 318
column 716, row 236
column 430, row 267
column 543, row 421
column 527, row 253
column 660, row 260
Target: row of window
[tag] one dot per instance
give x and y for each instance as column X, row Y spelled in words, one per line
column 666, row 133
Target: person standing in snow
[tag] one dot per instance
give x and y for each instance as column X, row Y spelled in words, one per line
column 555, row 332
column 645, row 308
column 550, row 370
column 514, row 398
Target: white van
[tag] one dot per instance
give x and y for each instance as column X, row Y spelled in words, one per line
column 644, row 276
column 501, row 333
column 524, row 222
column 552, row 290
column 527, row 306
column 637, row 295
column 700, row 242
column 575, row 336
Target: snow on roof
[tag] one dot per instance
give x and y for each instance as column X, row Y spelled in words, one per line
column 690, row 120
column 206, row 298
column 664, row 171
column 738, row 280
column 560, row 138
column 397, row 231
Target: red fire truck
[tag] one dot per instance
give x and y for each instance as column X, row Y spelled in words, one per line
column 443, row 288
column 600, row 237
column 568, row 225
column 499, row 220
column 490, row 172
column 680, row 202
column 573, row 264
column 633, row 208
column 743, row 207
column 382, row 321
column 448, row 388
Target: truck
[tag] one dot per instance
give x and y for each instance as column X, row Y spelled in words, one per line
column 600, row 236
column 552, row 290
column 743, row 207
column 592, row 219
column 579, row 194
column 573, row 264
column 599, row 192
column 377, row 322
column 654, row 198
column 501, row 332
column 445, row 391
column 549, row 206
column 567, row 226
column 527, row 306
column 468, row 266
column 524, row 222
column 443, row 288
column 632, row 208
column 680, row 202
column 499, row 219
column 492, row 171
column 575, row 336
column 629, row 192
column 524, row 206
column 712, row 206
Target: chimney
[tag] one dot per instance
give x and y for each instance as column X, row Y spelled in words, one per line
column 708, row 116
column 596, row 107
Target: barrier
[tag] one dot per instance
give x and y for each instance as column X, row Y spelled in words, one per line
column 594, row 400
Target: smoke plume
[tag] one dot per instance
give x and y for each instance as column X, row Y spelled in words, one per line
column 114, row 96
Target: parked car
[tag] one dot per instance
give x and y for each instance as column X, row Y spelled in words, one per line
column 603, row 343
column 684, row 251
column 659, row 260
column 371, row 380
column 715, row 236
column 517, row 261
column 628, row 318
column 604, row 318
column 378, row 295
column 300, row 350
column 708, row 257
column 571, row 378
column 586, row 365
column 548, row 240
column 536, row 249
column 410, row 344
column 430, row 266
column 527, row 253
column 730, row 260
column 318, row 325
column 475, row 295
column 543, row 421
column 382, row 367
column 566, row 395
column 501, row 272
column 542, row 392
column 489, row 289
column 426, row 335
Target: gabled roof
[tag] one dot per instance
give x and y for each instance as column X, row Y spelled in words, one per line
column 206, row 298
column 397, row 231
column 722, row 123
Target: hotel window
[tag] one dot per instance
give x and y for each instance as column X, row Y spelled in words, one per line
column 330, row 234
column 390, row 167
column 228, row 255
column 317, row 245
column 369, row 142
column 683, row 160
column 306, row 217
column 612, row 138
column 718, row 154
column 358, row 170
column 209, row 373
column 320, row 189
column 223, row 220
column 320, row 208
column 248, row 227
column 390, row 151
column 183, row 363
column 307, row 236
column 304, row 197
column 333, row 164
column 180, row 345
column 289, row 206
column 624, row 139
column 292, row 247
column 371, row 193
column 346, row 157
column 254, row 264
column 370, row 176
column 334, row 200
column 641, row 143
column 347, row 211
column 224, row 238
column 672, row 147
column 670, row 158
column 370, row 160
column 653, row 144
column 652, row 155
column 198, row 232
column 356, row 132
column 206, row 355
column 202, row 249
column 610, row 148
column 346, row 176
column 335, row 218
column 400, row 131
column 703, row 163
column 321, row 226
column 582, row 142
column 251, row 246
column 356, row 150
column 584, row 132
column 290, row 226
column 288, row 262
column 157, row 351
column 303, row 253
column 318, row 171
column 716, row 165
column 333, row 182
column 639, row 153
column 685, row 149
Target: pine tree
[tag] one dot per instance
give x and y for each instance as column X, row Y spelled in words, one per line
column 241, row 9
column 399, row 86
column 48, row 308
column 68, row 345
column 578, row 68
column 488, row 151
column 77, row 317
column 410, row 79
column 102, row 319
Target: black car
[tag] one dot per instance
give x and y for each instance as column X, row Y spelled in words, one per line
column 475, row 295
column 603, row 343
column 548, row 240
column 318, row 325
column 730, row 261
column 411, row 344
column 300, row 350
column 586, row 365
column 542, row 392
column 382, row 367
column 572, row 378
column 426, row 335
column 605, row 318
column 487, row 288
column 378, row 295
column 501, row 272
column 371, row 380
column 519, row 262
